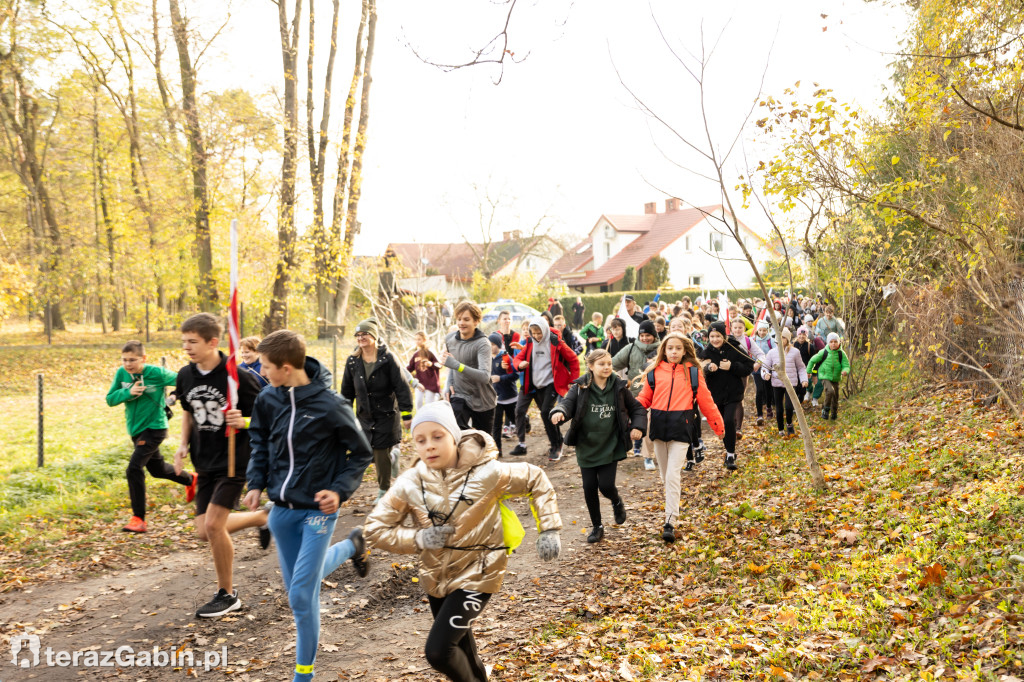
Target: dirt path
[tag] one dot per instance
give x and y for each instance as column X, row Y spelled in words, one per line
column 372, row 629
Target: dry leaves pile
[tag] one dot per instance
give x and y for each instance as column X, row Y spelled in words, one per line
column 901, row 570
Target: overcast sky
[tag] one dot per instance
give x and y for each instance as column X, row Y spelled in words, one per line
column 560, row 134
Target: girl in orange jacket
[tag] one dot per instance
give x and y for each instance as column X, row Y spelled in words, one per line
column 667, row 389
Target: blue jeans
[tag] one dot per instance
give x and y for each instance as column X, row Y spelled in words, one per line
column 303, row 538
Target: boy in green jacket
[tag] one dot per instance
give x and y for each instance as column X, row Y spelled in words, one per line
column 141, row 388
column 593, row 333
column 830, row 365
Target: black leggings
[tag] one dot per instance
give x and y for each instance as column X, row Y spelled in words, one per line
column 147, row 457
column 728, row 412
column 762, row 395
column 468, row 418
column 502, row 412
column 601, row 479
column 781, row 397
column 451, row 649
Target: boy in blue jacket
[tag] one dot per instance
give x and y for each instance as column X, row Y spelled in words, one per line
column 309, row 454
column 503, row 378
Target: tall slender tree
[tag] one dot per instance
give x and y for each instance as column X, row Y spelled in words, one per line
column 207, row 286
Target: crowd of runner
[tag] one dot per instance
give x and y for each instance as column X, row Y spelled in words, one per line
column 650, row 381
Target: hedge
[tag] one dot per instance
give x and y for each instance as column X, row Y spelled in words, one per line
column 607, row 303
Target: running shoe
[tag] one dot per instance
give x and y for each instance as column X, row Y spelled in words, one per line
column 518, row 450
column 620, row 512
column 649, row 464
column 135, row 525
column 730, row 461
column 190, row 489
column 265, row 529
column 221, row 605
column 555, row 455
column 668, row 533
column 361, row 559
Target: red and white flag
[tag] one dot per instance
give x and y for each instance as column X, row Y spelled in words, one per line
column 233, row 333
column 723, row 311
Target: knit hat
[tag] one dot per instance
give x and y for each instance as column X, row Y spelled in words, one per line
column 763, row 324
column 438, row 412
column 718, row 327
column 832, row 337
column 808, row 318
column 804, row 329
column 647, row 327
column 497, row 339
column 369, row 325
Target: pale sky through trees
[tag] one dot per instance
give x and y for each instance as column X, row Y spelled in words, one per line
column 559, row 128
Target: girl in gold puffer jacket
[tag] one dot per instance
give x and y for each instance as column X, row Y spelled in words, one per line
column 452, row 495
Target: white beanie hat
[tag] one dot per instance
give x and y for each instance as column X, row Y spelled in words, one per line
column 439, row 412
column 763, row 324
column 833, row 337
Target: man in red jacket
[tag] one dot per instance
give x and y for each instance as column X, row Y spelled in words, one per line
column 548, row 367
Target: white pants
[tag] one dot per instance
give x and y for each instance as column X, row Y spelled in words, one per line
column 425, row 397
column 671, row 456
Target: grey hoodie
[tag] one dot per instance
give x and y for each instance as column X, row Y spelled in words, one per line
column 473, row 383
column 540, row 357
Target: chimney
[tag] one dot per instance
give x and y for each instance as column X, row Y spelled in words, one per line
column 505, row 236
column 650, row 207
column 671, row 205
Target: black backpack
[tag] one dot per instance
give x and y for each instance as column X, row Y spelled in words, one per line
column 665, row 427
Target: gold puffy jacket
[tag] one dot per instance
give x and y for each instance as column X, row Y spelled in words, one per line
column 474, row 558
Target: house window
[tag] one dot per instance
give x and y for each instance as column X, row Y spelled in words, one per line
column 609, row 232
column 716, row 241
column 686, row 244
column 607, row 250
column 695, row 280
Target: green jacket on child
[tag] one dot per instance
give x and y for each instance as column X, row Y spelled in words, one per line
column 147, row 410
column 832, row 364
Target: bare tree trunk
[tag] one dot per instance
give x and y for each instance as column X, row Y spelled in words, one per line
column 206, row 286
column 277, row 314
column 356, row 176
column 161, row 82
column 20, row 111
column 325, row 246
column 99, row 159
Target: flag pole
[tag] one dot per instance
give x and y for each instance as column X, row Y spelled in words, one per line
column 233, row 342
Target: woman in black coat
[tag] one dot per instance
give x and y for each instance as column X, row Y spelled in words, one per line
column 726, row 365
column 373, row 379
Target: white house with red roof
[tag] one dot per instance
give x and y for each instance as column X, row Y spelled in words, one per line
column 699, row 250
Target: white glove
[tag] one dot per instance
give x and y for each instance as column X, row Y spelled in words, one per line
column 549, row 545
column 434, row 537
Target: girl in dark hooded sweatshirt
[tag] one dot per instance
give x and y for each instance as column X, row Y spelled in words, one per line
column 725, row 366
column 606, row 418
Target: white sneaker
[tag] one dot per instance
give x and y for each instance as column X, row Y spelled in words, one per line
column 649, row 464
column 814, row 402
column 395, row 467
column 807, row 396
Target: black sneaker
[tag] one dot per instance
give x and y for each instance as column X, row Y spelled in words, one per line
column 596, row 534
column 265, row 530
column 360, row 560
column 730, row 462
column 555, row 455
column 518, row 450
column 689, row 465
column 220, row 605
column 668, row 533
column 620, row 512
column 698, row 451
column 824, row 413
column 835, row 415
column 760, row 421
column 790, row 431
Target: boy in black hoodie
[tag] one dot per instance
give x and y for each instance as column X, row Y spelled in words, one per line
column 309, row 454
column 202, row 389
